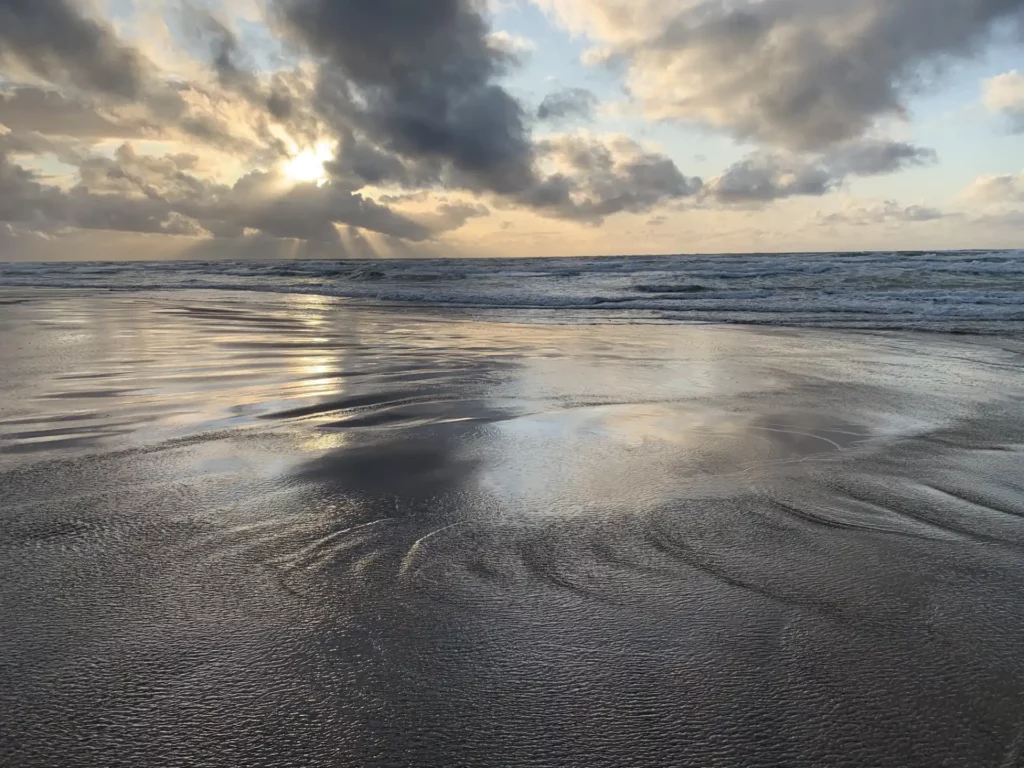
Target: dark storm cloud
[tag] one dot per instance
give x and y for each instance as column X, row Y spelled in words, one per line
column 23, row 199
column 138, row 193
column 309, row 212
column 412, row 90
column 56, row 42
column 875, row 157
column 764, row 177
column 803, row 74
column 455, row 215
column 597, row 178
column 28, row 143
column 421, row 78
column 577, row 103
column 360, row 161
column 52, row 113
column 767, row 176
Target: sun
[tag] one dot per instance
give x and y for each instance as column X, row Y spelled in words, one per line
column 308, row 165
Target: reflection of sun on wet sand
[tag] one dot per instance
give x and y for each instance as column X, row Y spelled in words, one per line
column 329, row 535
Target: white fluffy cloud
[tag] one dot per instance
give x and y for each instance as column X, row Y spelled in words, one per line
column 996, row 189
column 1004, row 94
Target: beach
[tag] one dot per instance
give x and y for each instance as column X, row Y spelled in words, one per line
column 268, row 529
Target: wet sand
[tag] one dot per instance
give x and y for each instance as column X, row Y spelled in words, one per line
column 269, row 530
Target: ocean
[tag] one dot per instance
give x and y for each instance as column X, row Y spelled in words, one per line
column 960, row 292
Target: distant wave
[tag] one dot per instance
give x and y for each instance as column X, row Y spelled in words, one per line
column 963, row 291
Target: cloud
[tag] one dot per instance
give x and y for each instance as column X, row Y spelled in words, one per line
column 882, row 213
column 145, row 194
column 115, row 201
column 52, row 113
column 220, row 43
column 54, row 41
column 765, row 176
column 421, row 79
column 169, row 111
column 594, row 177
column 452, row 216
column 797, row 74
column 1004, row 95
column 877, row 157
column 428, row 136
column 22, row 198
column 31, row 144
column 155, row 177
column 513, row 45
column 99, row 86
column 996, row 189
column 310, row 212
column 568, row 103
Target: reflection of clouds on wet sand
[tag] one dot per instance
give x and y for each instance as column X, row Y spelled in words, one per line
column 427, row 538
column 641, row 455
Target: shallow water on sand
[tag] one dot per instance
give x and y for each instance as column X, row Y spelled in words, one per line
column 243, row 529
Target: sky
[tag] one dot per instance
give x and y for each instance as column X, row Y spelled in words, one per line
column 197, row 129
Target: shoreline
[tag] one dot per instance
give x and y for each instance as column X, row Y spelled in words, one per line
column 581, row 316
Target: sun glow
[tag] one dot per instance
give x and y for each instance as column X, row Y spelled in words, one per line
column 308, row 165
